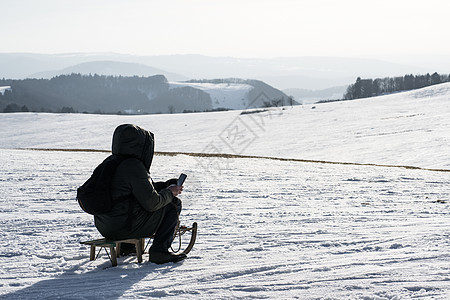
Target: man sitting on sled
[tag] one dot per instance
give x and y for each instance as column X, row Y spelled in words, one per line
column 142, row 208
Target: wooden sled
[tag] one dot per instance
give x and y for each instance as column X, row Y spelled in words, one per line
column 112, row 247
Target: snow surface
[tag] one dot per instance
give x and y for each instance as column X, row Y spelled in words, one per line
column 223, row 95
column 267, row 228
column 3, row 89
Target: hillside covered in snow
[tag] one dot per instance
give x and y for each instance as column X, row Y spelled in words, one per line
column 408, row 128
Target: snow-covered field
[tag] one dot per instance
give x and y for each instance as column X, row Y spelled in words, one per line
column 267, row 228
column 402, row 129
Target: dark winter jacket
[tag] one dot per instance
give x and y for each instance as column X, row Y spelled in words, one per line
column 139, row 208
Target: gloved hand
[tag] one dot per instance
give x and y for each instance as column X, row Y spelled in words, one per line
column 171, row 181
column 175, row 189
column 160, row 185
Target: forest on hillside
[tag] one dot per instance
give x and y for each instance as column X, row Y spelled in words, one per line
column 100, row 94
column 84, row 93
column 365, row 88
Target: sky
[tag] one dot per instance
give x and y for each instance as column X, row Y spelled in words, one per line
column 236, row 28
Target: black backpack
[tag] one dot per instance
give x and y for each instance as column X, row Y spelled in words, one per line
column 94, row 196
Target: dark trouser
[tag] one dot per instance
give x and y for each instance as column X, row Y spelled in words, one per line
column 165, row 232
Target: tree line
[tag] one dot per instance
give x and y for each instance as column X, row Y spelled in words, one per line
column 364, row 88
column 85, row 93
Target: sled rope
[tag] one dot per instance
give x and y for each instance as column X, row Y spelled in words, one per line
column 179, row 239
column 99, row 251
column 175, row 233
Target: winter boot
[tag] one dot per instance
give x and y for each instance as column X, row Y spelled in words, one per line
column 165, row 257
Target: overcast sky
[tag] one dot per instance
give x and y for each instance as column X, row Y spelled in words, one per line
column 239, row 28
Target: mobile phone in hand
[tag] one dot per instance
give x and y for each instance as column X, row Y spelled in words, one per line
column 181, row 179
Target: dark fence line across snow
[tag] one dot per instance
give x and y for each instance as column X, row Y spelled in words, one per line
column 224, row 155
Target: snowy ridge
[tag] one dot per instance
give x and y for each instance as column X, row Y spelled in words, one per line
column 408, row 129
column 268, row 229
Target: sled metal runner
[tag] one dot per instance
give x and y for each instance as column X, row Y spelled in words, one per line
column 112, row 247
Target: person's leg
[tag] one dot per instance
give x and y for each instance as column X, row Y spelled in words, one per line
column 159, row 251
column 164, row 234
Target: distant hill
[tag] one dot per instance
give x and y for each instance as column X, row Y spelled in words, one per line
column 112, row 68
column 135, row 95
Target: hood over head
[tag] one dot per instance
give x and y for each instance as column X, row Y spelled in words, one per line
column 132, row 140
